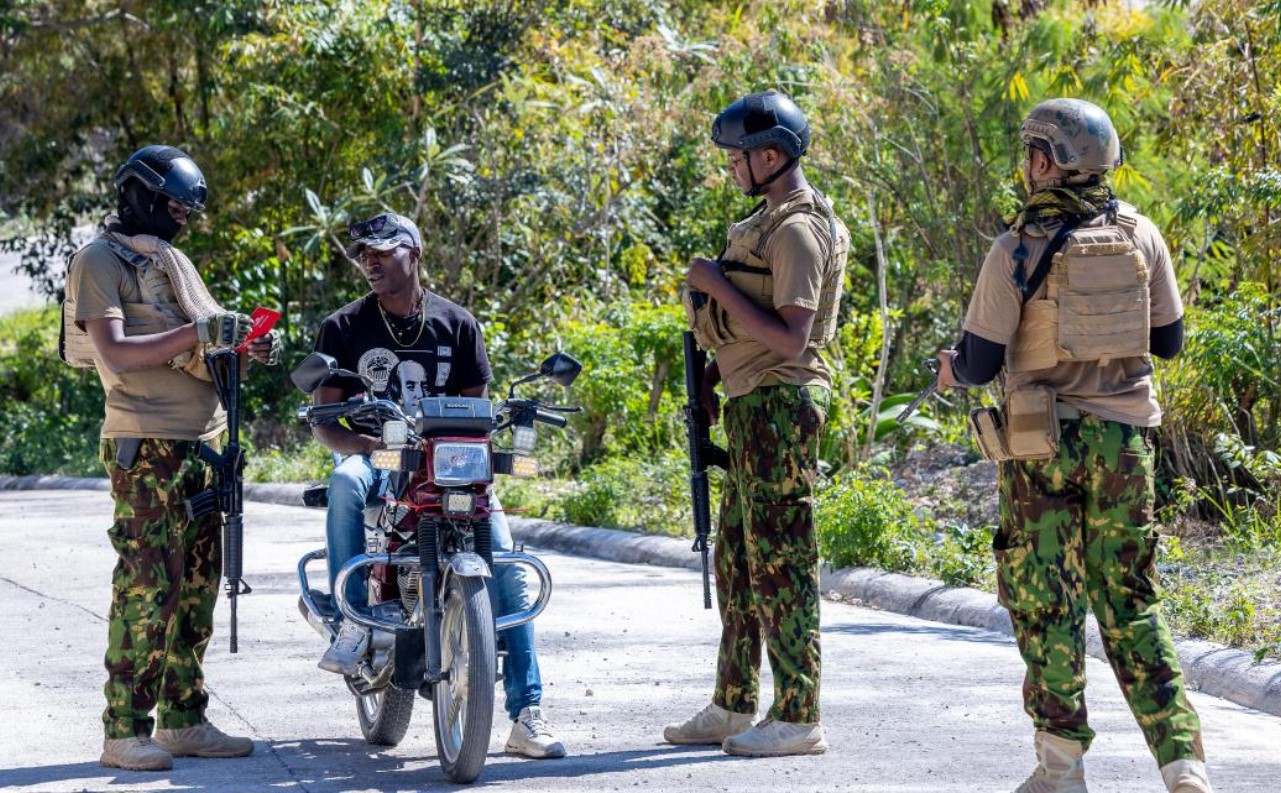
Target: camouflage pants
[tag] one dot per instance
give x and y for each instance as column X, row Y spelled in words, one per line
column 767, row 552
column 162, row 591
column 1077, row 532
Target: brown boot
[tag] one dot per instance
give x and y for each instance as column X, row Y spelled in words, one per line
column 138, row 753
column 203, row 740
column 1060, row 766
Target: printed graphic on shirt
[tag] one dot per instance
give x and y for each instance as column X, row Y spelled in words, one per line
column 377, row 365
column 401, row 377
column 412, row 379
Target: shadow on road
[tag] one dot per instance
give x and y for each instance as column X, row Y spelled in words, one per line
column 621, row 762
column 955, row 633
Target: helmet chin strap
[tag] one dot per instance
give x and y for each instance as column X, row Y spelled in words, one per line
column 759, row 187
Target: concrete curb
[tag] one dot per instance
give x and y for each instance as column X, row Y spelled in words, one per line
column 1212, row 668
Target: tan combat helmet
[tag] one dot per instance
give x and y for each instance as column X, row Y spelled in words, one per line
column 1080, row 135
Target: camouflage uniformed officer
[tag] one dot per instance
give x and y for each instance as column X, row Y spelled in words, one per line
column 138, row 312
column 1071, row 303
column 766, row 307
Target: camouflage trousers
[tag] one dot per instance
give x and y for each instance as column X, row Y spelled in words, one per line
column 163, row 589
column 1077, row 532
column 767, row 553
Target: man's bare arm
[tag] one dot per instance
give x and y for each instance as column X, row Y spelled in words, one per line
column 123, row 353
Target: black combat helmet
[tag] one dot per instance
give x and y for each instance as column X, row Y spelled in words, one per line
column 762, row 119
column 169, row 171
column 148, row 180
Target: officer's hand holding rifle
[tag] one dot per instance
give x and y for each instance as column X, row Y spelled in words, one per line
column 943, row 379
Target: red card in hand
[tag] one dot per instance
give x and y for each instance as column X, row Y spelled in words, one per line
column 263, row 319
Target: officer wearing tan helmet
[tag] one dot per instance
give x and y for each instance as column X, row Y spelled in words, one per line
column 1070, row 305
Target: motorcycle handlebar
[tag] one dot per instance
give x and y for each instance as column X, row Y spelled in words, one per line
column 554, row 419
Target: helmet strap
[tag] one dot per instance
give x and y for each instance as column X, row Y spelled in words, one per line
column 759, row 187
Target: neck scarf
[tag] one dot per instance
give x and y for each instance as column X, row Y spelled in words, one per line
column 1062, row 202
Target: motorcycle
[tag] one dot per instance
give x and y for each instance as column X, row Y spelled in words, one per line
column 428, row 553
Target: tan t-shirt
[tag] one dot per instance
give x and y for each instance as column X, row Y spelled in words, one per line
column 1120, row 390
column 161, row 402
column 798, row 263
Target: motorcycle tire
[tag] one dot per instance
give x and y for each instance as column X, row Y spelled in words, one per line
column 463, row 701
column 384, row 715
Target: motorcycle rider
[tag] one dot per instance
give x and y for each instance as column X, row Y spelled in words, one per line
column 1074, row 337
column 770, row 306
column 138, row 312
column 434, row 345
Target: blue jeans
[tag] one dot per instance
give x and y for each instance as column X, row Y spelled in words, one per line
column 356, row 484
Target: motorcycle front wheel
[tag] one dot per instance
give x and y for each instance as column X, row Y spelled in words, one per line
column 463, row 701
column 384, row 715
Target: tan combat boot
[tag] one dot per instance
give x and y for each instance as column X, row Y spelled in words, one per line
column 1186, row 776
column 134, row 754
column 712, row 725
column 773, row 738
column 1060, row 767
column 203, row 740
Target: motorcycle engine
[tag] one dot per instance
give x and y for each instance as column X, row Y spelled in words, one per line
column 407, row 578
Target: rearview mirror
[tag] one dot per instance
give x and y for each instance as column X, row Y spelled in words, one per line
column 561, row 368
column 314, row 370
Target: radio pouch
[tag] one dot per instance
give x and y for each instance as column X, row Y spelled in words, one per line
column 988, row 429
column 1031, row 424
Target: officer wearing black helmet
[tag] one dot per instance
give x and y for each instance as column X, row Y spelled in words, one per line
column 766, row 307
column 138, row 312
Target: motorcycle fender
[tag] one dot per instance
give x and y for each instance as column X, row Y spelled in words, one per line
column 468, row 565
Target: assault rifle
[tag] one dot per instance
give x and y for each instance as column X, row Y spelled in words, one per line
column 702, row 453
column 227, row 494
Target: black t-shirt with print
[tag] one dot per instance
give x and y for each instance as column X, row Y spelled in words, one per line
column 447, row 358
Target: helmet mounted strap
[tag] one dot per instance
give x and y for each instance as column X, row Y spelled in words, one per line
column 759, row 187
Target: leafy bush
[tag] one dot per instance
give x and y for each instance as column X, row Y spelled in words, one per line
column 53, row 413
column 863, row 519
column 636, row 494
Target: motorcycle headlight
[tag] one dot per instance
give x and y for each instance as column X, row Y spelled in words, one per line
column 460, row 463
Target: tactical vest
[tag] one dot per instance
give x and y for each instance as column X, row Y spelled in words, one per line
column 744, row 266
column 1096, row 305
column 158, row 312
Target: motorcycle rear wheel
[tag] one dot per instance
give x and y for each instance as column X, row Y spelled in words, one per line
column 384, row 715
column 463, row 700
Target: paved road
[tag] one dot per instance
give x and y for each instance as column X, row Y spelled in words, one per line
column 910, row 705
column 15, row 288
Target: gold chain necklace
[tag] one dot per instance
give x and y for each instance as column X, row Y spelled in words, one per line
column 421, row 313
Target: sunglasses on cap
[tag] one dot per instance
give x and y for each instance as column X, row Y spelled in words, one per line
column 375, row 227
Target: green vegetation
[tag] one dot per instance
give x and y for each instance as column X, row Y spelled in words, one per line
column 555, row 156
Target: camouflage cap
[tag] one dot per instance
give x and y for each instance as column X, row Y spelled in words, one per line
column 1080, row 135
column 382, row 233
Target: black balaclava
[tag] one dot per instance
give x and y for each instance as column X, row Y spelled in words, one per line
column 145, row 211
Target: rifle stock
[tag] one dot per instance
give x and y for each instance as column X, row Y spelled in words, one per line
column 702, row 453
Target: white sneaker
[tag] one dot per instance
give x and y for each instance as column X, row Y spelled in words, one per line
column 343, row 656
column 1060, row 766
column 532, row 737
column 773, row 738
column 1186, row 776
column 711, row 725
column 138, row 753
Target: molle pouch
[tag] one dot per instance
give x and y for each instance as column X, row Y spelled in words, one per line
column 1035, row 346
column 1031, row 423
column 698, row 312
column 74, row 346
column 988, row 430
